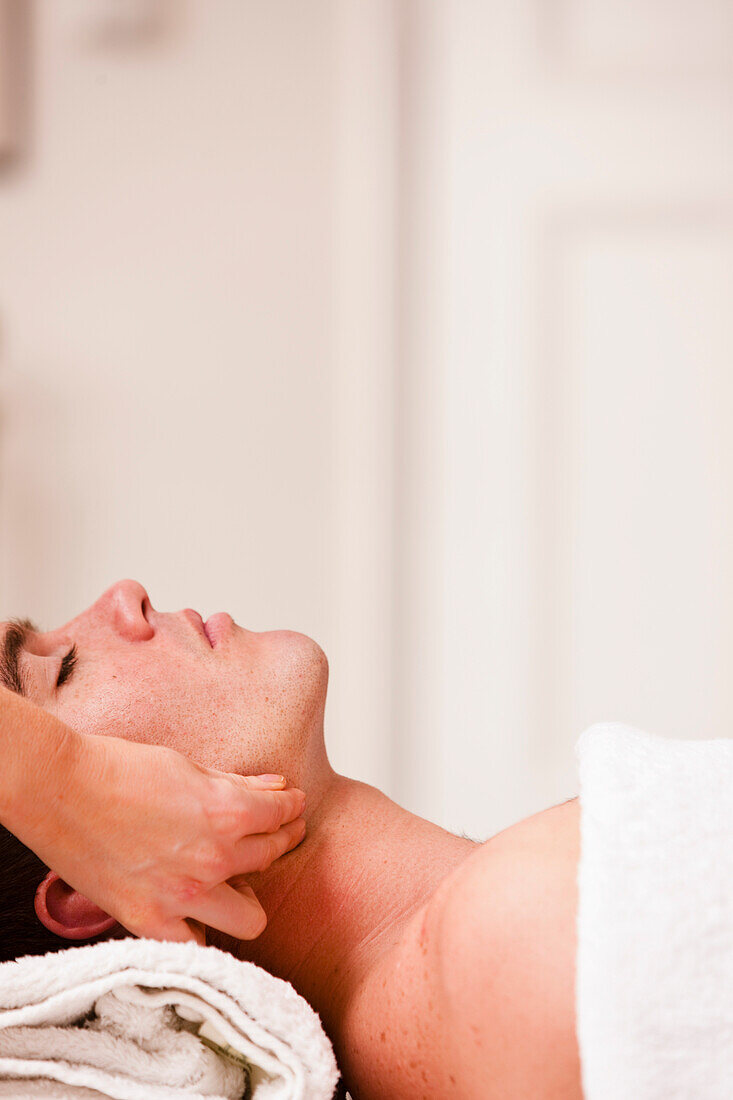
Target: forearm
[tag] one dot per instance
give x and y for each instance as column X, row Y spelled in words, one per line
column 38, row 753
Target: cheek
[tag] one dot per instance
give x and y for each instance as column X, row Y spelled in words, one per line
column 260, row 707
column 128, row 699
column 200, row 712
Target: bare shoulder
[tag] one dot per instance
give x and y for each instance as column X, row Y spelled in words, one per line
column 504, row 935
column 475, row 1000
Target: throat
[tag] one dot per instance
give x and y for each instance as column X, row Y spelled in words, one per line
column 338, row 902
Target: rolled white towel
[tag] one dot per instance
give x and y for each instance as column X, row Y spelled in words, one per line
column 655, row 916
column 139, row 1019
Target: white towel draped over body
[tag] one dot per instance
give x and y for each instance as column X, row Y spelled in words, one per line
column 655, row 916
column 122, row 1019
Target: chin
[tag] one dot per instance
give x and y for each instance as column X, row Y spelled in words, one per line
column 298, row 658
column 302, row 651
column 297, row 674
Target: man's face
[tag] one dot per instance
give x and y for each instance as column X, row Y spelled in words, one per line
column 233, row 700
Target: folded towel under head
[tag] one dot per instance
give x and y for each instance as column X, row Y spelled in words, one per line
column 655, row 916
column 139, row 1019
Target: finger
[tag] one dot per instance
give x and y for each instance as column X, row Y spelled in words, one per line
column 236, row 912
column 266, row 811
column 264, row 782
column 185, row 930
column 257, row 852
column 180, row 931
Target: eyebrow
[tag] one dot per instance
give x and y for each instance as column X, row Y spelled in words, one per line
column 16, row 636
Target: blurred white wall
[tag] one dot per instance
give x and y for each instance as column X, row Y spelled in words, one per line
column 574, row 197
column 403, row 324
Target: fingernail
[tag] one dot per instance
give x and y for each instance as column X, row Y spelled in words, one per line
column 273, row 780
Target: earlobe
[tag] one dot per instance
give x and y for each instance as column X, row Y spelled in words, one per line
column 67, row 913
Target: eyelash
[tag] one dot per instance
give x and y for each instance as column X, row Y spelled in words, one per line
column 67, row 666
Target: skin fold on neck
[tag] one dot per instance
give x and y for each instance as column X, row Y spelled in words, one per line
column 342, row 899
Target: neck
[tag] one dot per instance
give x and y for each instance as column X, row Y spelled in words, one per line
column 342, row 899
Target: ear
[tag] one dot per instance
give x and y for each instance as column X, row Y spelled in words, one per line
column 67, row 913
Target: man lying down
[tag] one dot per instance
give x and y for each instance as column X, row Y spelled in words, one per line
column 439, row 965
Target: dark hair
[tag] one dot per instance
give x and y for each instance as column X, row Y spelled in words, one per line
column 21, row 932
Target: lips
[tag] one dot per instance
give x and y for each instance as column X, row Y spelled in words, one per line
column 196, row 621
column 217, row 627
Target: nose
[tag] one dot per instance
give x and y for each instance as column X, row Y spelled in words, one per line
column 123, row 605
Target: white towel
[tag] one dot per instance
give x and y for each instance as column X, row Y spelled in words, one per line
column 139, row 1019
column 655, row 916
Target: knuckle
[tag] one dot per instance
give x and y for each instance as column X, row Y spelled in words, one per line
column 224, row 815
column 275, row 815
column 212, row 865
column 266, row 854
column 187, row 888
column 273, row 848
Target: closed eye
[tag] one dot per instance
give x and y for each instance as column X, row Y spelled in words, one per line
column 67, row 666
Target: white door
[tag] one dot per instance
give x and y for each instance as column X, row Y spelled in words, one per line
column 568, row 175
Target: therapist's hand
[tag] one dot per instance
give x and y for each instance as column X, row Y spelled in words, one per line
column 152, row 838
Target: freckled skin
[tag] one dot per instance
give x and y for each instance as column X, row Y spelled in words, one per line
column 440, row 968
column 252, row 702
